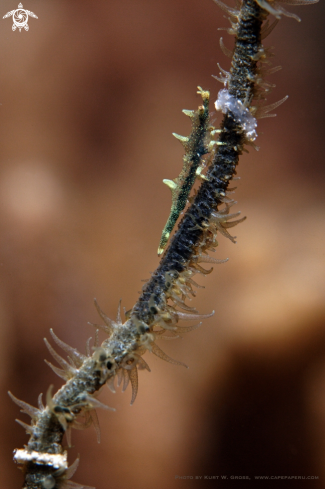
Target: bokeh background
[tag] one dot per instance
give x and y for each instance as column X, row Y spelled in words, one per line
column 89, row 99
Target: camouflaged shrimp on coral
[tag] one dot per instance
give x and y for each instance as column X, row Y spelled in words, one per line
column 212, row 155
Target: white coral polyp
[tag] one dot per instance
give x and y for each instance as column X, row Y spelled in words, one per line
column 227, row 102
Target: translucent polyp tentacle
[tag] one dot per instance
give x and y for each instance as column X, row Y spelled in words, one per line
column 72, row 362
column 231, row 224
column 263, row 112
column 120, row 376
column 133, row 376
column 118, row 315
column 96, row 342
column 211, row 259
column 228, row 203
column 187, row 329
column 159, row 353
column 191, row 281
column 198, row 269
column 103, row 327
column 25, row 408
column 81, row 425
column 276, row 9
column 162, row 336
column 163, row 324
column 88, row 346
column 126, row 379
column 27, row 427
column 92, row 402
column 76, row 356
column 108, row 322
column 68, row 369
column 110, row 384
column 224, row 72
column 223, row 215
column 180, row 303
column 58, row 371
column 69, row 472
column 95, row 421
column 230, row 11
column 225, row 233
column 49, row 401
column 40, row 402
column 184, row 291
column 220, row 79
column 271, row 71
column 72, row 469
column 268, row 28
column 186, row 288
column 142, row 364
column 227, row 52
column 191, row 317
column 283, row 11
column 266, row 6
column 227, row 200
column 224, row 75
column 68, row 434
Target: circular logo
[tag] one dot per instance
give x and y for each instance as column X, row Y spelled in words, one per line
column 20, row 18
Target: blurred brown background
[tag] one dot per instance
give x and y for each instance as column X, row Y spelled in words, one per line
column 90, row 97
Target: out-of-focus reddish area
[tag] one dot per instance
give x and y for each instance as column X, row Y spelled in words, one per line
column 89, row 99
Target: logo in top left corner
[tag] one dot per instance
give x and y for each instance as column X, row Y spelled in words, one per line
column 20, row 18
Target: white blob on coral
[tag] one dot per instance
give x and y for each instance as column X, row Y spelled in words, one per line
column 227, row 102
column 58, row 461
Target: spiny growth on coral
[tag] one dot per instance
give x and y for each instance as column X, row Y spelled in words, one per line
column 195, row 146
column 162, row 303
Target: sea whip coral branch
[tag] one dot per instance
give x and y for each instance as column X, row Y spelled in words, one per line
column 44, row 460
column 188, row 239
